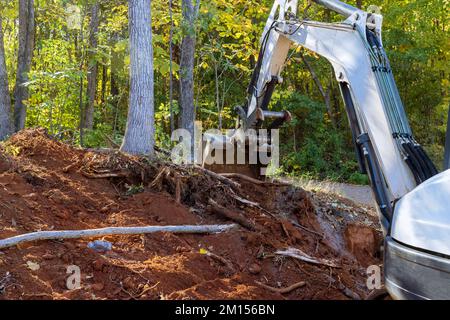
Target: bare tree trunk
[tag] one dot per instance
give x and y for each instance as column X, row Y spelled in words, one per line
column 5, row 99
column 187, row 66
column 92, row 68
column 25, row 54
column 172, row 118
column 219, row 110
column 81, row 57
column 139, row 134
column 114, row 86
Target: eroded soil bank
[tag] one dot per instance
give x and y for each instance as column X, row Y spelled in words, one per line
column 47, row 185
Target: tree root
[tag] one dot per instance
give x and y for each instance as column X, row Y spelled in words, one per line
column 222, row 260
column 217, row 209
column 253, row 180
column 300, row 255
column 222, row 179
column 282, row 290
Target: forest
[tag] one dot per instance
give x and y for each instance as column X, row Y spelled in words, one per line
column 64, row 66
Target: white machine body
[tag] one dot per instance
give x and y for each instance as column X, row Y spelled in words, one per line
column 422, row 217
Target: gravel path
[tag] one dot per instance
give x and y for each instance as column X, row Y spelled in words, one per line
column 357, row 193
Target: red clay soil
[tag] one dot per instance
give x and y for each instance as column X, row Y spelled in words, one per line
column 47, row 185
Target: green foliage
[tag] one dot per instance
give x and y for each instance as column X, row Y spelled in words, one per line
column 315, row 148
column 134, row 189
column 314, row 144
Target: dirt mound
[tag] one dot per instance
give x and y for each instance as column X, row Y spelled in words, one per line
column 47, row 185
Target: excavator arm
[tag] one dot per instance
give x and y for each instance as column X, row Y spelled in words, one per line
column 385, row 146
column 412, row 196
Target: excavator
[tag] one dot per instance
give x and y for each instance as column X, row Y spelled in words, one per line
column 412, row 197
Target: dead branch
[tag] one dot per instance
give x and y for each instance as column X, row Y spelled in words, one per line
column 298, row 225
column 282, row 290
column 300, row 255
column 222, row 260
column 219, row 177
column 242, row 177
column 71, row 166
column 90, row 233
column 121, row 174
column 252, row 180
column 161, row 172
column 345, row 290
column 217, row 209
column 245, row 201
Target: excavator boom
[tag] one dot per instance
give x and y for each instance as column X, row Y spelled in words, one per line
column 412, row 197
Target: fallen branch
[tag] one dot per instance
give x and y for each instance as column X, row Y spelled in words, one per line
column 71, row 166
column 217, row 209
column 300, row 255
column 222, row 260
column 121, row 174
column 245, row 201
column 161, row 172
column 306, row 229
column 75, row 234
column 345, row 290
column 252, row 180
column 242, row 177
column 282, row 290
column 219, row 177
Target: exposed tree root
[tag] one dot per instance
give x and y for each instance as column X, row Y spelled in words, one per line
column 219, row 177
column 217, row 209
column 253, row 180
column 282, row 290
column 222, row 260
column 300, row 255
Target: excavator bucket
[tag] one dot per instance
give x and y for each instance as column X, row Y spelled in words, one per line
column 235, row 154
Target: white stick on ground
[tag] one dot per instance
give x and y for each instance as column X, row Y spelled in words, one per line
column 75, row 234
column 300, row 255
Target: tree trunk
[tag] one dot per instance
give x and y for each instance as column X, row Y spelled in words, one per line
column 5, row 99
column 187, row 67
column 172, row 118
column 92, row 69
column 139, row 134
column 25, row 54
column 114, row 69
column 104, row 83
